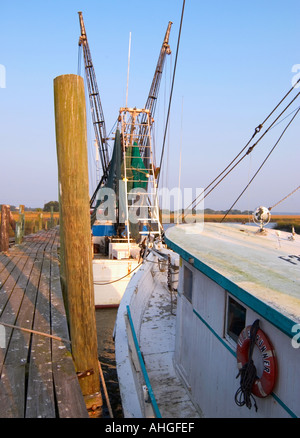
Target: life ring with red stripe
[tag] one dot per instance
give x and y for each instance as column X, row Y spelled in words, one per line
column 264, row 385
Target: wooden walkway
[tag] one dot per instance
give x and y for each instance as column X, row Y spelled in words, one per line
column 37, row 374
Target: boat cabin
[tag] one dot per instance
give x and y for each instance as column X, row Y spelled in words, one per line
column 231, row 276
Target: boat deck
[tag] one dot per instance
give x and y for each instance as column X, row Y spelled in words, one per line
column 145, row 333
column 157, row 342
column 37, row 374
column 243, row 256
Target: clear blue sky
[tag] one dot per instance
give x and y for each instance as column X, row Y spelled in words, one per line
column 235, row 64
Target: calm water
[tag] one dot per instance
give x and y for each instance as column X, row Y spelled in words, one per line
column 105, row 321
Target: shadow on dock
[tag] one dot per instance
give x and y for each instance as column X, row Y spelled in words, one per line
column 37, row 374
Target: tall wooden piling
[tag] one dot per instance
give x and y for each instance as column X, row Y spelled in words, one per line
column 4, row 228
column 71, row 144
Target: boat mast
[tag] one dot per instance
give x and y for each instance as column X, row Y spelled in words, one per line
column 154, row 89
column 96, row 107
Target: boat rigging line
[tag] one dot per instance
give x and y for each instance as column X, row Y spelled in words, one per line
column 118, row 279
column 132, row 270
column 171, row 92
column 280, row 137
column 283, row 199
column 128, row 67
column 79, row 60
column 250, row 148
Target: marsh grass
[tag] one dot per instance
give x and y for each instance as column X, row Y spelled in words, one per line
column 32, row 222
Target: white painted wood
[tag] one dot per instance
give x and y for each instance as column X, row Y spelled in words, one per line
column 109, row 286
column 206, row 364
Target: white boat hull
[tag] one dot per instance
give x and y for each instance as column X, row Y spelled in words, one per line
column 152, row 314
column 192, row 357
column 111, row 278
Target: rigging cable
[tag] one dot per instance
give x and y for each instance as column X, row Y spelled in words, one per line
column 280, row 137
column 118, row 279
column 171, row 93
column 257, row 130
column 168, row 141
column 283, row 199
column 79, row 61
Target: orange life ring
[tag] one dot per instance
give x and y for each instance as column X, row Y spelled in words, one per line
column 262, row 387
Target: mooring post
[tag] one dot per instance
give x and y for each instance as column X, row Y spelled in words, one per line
column 4, row 229
column 71, row 145
column 12, row 221
column 18, row 233
column 20, row 225
column 40, row 221
column 51, row 216
column 22, row 219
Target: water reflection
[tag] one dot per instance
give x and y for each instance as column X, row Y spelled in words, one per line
column 105, row 321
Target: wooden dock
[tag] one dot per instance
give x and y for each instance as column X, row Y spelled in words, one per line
column 37, row 374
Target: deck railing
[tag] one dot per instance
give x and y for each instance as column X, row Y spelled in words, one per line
column 149, row 391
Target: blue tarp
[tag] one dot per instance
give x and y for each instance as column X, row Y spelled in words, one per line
column 103, row 230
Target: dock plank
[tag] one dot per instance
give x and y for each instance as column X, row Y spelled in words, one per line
column 40, row 396
column 66, row 384
column 8, row 280
column 38, row 377
column 12, row 384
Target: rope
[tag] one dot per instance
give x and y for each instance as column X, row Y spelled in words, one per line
column 243, row 395
column 256, row 131
column 79, row 61
column 118, row 279
column 270, row 208
column 261, row 168
column 105, row 390
column 36, row 332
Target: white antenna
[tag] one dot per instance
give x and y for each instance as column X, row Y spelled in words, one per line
column 97, row 161
column 179, row 191
column 128, row 68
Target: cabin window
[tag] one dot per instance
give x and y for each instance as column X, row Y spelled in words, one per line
column 188, row 283
column 236, row 318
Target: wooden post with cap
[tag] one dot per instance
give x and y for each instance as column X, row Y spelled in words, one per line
column 71, row 145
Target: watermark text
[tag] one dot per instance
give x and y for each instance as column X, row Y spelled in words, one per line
column 141, row 206
column 2, row 76
column 2, row 336
column 296, row 337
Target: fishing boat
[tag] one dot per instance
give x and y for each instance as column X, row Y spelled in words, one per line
column 124, row 206
column 210, row 324
column 227, row 343
column 208, row 315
